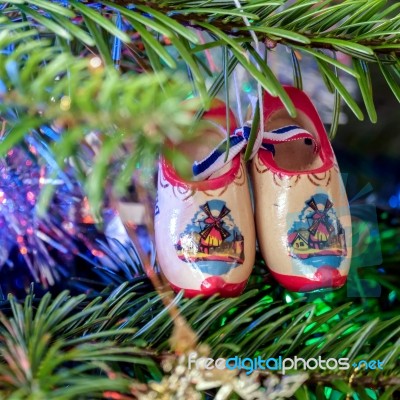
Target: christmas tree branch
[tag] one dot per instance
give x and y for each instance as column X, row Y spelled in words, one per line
column 384, row 44
column 368, row 32
column 68, row 338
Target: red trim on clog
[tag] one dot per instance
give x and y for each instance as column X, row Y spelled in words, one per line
column 324, row 278
column 213, row 285
column 210, row 184
column 303, row 103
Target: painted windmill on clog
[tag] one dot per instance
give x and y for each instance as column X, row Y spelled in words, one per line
column 324, row 235
column 213, row 236
column 214, row 233
column 320, row 225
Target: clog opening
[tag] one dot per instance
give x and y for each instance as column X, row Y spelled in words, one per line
column 295, row 155
column 207, row 137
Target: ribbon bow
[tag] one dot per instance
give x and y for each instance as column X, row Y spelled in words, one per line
column 238, row 141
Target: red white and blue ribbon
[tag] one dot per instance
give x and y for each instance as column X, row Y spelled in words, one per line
column 218, row 158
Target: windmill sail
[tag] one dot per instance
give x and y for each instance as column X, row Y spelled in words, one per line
column 313, row 204
column 328, row 205
column 321, row 225
column 214, row 226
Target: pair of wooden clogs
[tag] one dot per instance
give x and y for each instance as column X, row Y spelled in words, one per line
column 206, row 229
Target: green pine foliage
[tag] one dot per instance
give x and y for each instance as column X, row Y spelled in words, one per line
column 83, row 347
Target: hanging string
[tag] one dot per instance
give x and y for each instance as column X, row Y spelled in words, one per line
column 238, row 100
column 207, row 52
column 257, row 46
